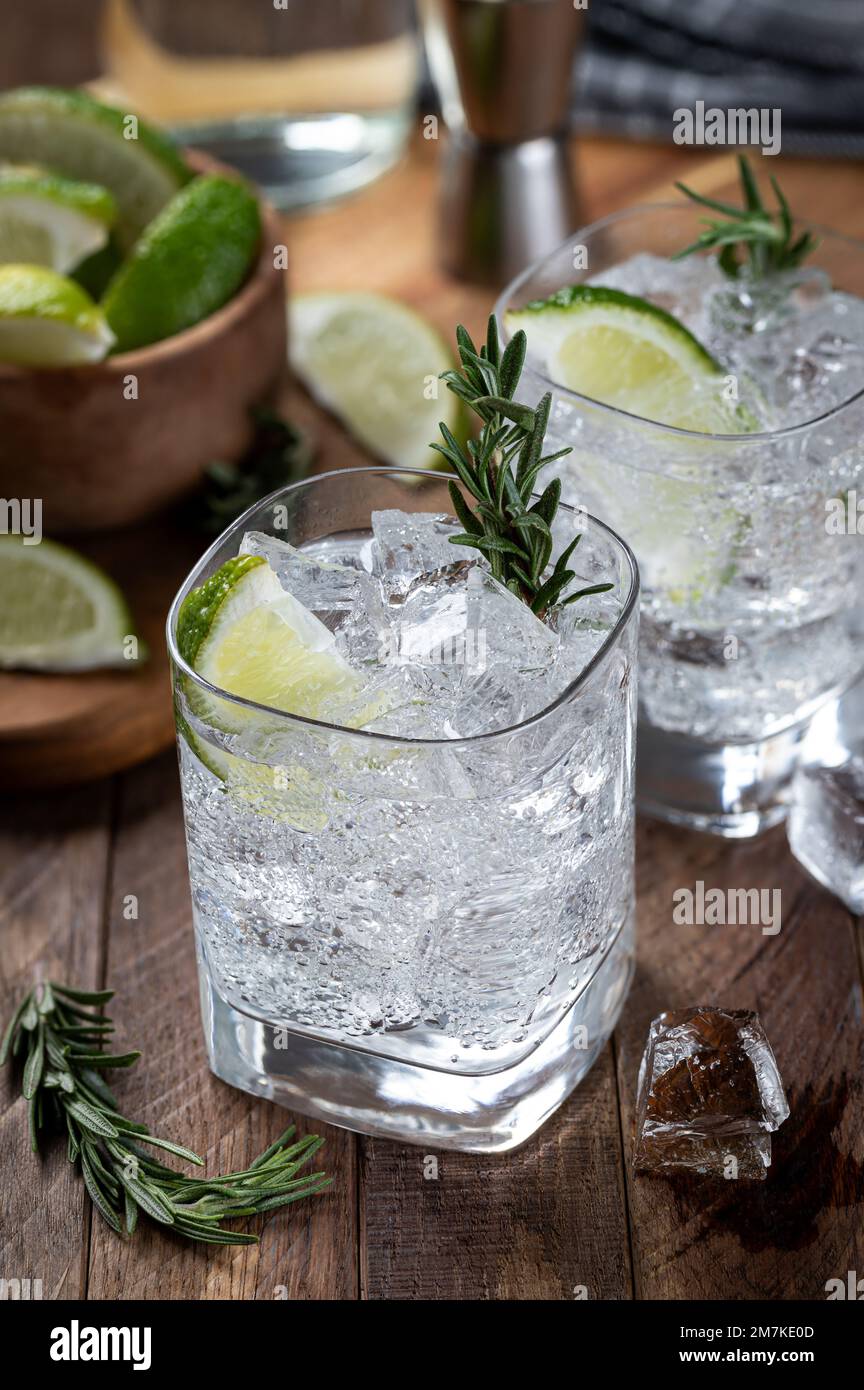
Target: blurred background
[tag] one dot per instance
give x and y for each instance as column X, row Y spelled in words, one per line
column 638, row 61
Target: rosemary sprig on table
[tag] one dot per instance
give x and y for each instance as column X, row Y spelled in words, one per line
column 767, row 239
column 500, row 468
column 63, row 1033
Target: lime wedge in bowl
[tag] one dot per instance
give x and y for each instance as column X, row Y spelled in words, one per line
column 48, row 321
column 245, row 634
column 52, row 221
column 71, row 134
column 189, row 262
column 60, row 612
column 375, row 363
column 626, row 352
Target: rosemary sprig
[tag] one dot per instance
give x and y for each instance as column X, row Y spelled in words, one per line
column 63, row 1032
column 767, row 239
column 500, row 468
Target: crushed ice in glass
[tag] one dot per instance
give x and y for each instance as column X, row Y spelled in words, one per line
column 443, row 649
column 826, row 828
column 795, row 343
column 709, row 1095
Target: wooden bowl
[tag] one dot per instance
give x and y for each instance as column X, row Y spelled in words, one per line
column 98, row 458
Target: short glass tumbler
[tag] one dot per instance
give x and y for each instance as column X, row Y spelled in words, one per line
column 751, row 603
column 424, row 939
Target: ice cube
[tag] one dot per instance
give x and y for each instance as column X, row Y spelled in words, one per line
column 320, row 585
column 709, row 1095
column 826, row 828
column 409, row 545
column 755, row 306
column 810, row 357
column 473, row 650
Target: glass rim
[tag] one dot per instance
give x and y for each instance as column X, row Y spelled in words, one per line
column 615, row 412
column 318, row 725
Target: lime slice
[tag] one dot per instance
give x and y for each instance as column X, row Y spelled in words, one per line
column 47, row 320
column 623, row 351
column 616, row 348
column 189, row 262
column 48, row 220
column 245, row 634
column 375, row 364
column 59, row 611
column 74, row 135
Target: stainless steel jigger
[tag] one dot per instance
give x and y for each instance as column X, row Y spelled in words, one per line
column 503, row 70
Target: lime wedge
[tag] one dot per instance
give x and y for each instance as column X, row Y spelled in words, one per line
column 245, row 634
column 621, row 350
column 60, row 612
column 242, row 632
column 47, row 320
column 48, row 220
column 189, row 262
column 375, row 364
column 73, row 135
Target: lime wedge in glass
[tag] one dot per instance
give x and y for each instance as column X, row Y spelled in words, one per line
column 51, row 221
column 48, row 321
column 623, row 351
column 73, row 135
column 626, row 352
column 375, row 364
column 60, row 612
column 243, row 633
column 189, row 262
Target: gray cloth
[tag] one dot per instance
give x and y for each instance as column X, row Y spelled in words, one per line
column 644, row 59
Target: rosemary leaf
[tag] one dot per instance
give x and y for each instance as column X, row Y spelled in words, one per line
column 765, row 238
column 510, row 529
column 62, row 1025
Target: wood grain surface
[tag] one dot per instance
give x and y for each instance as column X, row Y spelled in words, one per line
column 563, row 1217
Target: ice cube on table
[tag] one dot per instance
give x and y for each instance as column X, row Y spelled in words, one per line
column 320, row 585
column 407, row 545
column 826, row 828
column 709, row 1095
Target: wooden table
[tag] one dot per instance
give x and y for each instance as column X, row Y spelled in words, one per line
column 565, row 1212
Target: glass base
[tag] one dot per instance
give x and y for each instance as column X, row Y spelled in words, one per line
column 358, row 1090
column 736, row 790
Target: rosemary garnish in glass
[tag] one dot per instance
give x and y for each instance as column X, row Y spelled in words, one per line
column 63, row 1032
column 500, row 468
column 767, row 239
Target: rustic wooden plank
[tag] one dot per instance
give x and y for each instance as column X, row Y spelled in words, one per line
column 53, row 866
column 306, row 1251
column 545, row 1222
column 805, row 1224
